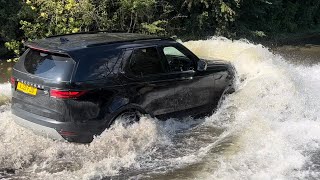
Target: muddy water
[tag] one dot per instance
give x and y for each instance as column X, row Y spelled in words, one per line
column 268, row 129
column 307, row 54
column 5, row 71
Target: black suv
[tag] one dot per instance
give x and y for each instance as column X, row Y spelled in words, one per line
column 75, row 86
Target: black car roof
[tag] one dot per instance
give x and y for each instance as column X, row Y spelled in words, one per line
column 71, row 42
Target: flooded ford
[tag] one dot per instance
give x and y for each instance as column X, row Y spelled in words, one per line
column 267, row 129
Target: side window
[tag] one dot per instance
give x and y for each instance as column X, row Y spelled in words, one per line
column 146, row 61
column 177, row 60
column 98, row 63
column 104, row 64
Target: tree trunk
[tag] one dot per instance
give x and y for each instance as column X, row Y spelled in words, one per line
column 135, row 21
column 131, row 21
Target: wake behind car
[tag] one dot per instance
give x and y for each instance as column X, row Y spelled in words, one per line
column 72, row 87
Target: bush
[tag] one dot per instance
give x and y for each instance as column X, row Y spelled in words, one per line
column 23, row 20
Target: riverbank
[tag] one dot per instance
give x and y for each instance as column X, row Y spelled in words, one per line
column 299, row 48
column 296, row 39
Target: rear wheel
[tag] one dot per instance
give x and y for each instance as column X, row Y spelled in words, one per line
column 128, row 118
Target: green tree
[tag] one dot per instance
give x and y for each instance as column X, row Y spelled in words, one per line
column 57, row 17
column 134, row 12
column 9, row 20
column 32, row 19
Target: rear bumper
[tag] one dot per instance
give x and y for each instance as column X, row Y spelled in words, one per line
column 70, row 131
column 38, row 129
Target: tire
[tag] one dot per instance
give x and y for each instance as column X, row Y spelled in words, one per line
column 128, row 118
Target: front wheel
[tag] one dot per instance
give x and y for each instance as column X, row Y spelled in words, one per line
column 228, row 91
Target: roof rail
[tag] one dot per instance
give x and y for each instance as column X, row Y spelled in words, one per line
column 134, row 40
column 87, row 32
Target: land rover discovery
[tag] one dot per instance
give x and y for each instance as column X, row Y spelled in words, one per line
column 72, row 87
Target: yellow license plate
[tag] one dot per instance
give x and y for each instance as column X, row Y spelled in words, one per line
column 27, row 89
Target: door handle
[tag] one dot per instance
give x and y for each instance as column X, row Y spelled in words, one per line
column 188, row 78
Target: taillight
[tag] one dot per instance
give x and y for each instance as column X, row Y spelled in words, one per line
column 63, row 94
column 12, row 81
column 67, row 133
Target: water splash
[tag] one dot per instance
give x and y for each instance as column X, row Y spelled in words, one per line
column 276, row 114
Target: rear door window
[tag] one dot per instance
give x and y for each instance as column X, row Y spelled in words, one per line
column 146, row 61
column 98, row 63
column 47, row 65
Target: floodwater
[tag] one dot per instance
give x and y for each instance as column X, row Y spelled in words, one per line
column 5, row 71
column 268, row 129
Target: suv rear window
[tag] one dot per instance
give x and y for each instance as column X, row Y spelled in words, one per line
column 51, row 66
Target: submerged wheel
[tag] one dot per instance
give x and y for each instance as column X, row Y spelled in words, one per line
column 128, row 118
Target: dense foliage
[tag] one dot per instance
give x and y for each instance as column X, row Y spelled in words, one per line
column 30, row 19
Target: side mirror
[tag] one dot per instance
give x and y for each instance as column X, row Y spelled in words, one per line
column 202, row 65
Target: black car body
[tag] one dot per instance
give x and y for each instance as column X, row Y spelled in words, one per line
column 74, row 86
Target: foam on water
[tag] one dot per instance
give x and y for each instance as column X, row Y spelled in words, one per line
column 269, row 128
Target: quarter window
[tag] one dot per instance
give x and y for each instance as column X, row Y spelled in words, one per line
column 146, row 61
column 177, row 60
